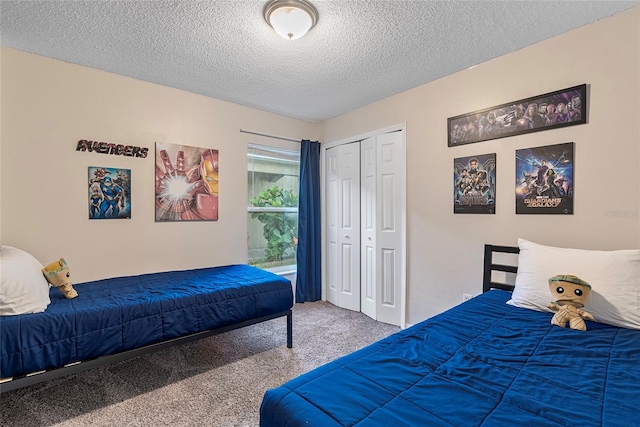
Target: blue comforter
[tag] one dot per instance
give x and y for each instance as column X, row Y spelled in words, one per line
column 114, row 315
column 482, row 363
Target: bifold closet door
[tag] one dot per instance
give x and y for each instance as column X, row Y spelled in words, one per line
column 342, row 172
column 381, row 176
column 368, row 227
column 390, row 172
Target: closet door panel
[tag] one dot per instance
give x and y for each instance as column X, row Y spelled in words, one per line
column 348, row 233
column 390, row 169
column 332, row 263
column 368, row 226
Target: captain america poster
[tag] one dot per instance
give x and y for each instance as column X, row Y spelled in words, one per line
column 544, row 179
column 109, row 193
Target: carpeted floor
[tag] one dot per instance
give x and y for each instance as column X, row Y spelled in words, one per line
column 217, row 381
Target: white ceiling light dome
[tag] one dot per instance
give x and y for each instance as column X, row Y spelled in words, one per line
column 291, row 19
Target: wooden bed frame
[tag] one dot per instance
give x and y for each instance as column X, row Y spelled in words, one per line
column 489, row 266
column 38, row 377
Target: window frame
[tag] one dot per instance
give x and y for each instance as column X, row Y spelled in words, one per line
column 277, row 151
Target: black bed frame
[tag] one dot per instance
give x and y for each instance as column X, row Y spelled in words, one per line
column 38, row 377
column 35, row 378
column 489, row 266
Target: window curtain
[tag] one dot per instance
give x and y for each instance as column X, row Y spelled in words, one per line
column 308, row 284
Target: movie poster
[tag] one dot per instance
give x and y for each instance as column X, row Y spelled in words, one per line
column 544, row 180
column 474, row 184
column 109, row 193
column 566, row 107
column 186, row 183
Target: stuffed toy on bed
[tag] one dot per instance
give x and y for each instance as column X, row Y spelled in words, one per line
column 571, row 294
column 58, row 275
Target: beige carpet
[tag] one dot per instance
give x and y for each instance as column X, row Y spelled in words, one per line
column 217, row 381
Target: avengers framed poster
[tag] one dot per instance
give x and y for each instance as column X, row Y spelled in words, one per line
column 565, row 107
column 186, row 183
column 544, row 179
column 474, row 184
column 109, row 193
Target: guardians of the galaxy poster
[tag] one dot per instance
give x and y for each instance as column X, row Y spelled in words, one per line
column 544, row 180
column 109, row 193
column 186, row 183
column 474, row 184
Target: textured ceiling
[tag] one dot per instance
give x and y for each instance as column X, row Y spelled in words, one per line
column 359, row 52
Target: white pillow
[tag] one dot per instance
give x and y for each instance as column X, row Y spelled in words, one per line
column 614, row 277
column 23, row 288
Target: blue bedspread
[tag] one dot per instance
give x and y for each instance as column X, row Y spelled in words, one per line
column 114, row 315
column 482, row 363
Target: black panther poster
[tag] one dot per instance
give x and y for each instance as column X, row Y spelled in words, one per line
column 474, row 184
column 544, row 180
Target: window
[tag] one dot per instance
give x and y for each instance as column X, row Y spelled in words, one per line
column 272, row 223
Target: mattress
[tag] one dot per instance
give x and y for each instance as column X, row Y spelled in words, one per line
column 124, row 313
column 482, row 363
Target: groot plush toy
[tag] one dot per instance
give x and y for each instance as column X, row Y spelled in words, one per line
column 571, row 294
column 58, row 275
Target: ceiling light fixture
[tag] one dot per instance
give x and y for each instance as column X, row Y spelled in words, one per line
column 291, row 18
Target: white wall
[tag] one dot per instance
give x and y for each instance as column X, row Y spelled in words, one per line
column 48, row 105
column 445, row 250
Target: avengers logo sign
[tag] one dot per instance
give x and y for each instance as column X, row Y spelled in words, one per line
column 111, row 148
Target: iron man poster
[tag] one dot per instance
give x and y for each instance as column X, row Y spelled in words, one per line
column 186, row 183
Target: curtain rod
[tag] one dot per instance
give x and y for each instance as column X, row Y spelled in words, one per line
column 284, row 138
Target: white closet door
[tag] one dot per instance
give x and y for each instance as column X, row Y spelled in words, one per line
column 349, row 226
column 368, row 226
column 390, row 172
column 365, row 208
column 332, row 197
column 343, row 225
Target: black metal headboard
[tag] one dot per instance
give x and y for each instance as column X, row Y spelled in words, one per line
column 489, row 266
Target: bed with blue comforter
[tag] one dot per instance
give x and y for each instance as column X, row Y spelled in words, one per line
column 482, row 363
column 117, row 315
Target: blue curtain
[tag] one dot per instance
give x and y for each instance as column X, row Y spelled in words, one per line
column 308, row 284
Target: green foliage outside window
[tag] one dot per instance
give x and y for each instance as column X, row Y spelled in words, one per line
column 280, row 230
